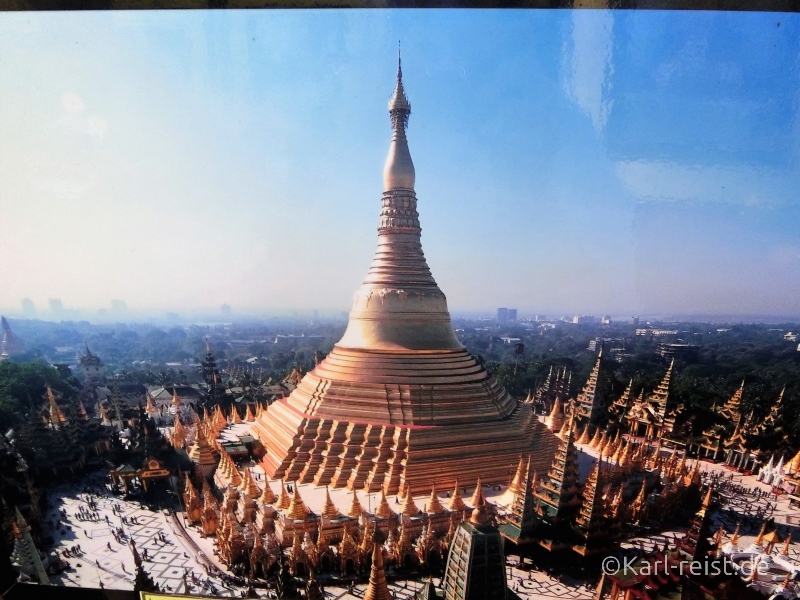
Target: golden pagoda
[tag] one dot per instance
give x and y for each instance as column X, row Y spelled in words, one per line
column 192, row 502
column 329, row 510
column 399, row 398
column 202, row 455
column 516, row 483
column 56, row 416
column 267, row 495
column 433, row 506
column 409, row 509
column 456, row 503
column 589, row 405
column 377, row 588
column 356, row 510
column 384, row 511
column 283, row 501
column 178, row 437
column 297, row 508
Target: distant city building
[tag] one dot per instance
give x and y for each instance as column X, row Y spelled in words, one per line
column 56, row 307
column 583, row 319
column 297, row 340
column 541, row 318
column 606, row 320
column 635, row 321
column 656, row 332
column 678, row 350
column 226, row 310
column 28, row 308
column 791, row 337
column 91, row 365
column 510, row 340
column 505, row 315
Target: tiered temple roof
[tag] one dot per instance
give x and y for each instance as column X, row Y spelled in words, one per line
column 589, row 405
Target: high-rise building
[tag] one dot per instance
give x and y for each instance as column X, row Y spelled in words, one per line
column 399, row 400
column 28, row 308
column 118, row 307
column 56, row 307
column 502, row 315
column 512, row 314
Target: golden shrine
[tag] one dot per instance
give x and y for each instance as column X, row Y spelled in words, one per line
column 399, row 401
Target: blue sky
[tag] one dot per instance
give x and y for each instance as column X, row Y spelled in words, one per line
column 567, row 161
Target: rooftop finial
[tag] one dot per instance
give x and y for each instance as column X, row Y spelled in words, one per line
column 399, row 63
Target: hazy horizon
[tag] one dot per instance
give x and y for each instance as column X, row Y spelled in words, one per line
column 568, row 162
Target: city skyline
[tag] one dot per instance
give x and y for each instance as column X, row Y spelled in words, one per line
column 567, row 162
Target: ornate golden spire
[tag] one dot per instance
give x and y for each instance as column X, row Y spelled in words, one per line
column 456, row 502
column 785, row 549
column 735, row 536
column 398, row 171
column 399, row 306
column 329, row 510
column 377, row 589
column 383, row 511
column 760, row 538
column 267, row 495
column 297, row 508
column 584, row 439
column 356, row 510
column 480, row 514
column 516, row 483
column 283, row 501
column 178, row 433
column 236, row 417
column 201, row 452
column 248, row 415
column 477, row 494
column 56, row 416
column 150, row 407
column 433, row 506
column 718, row 536
column 249, row 486
column 176, row 400
column 409, row 509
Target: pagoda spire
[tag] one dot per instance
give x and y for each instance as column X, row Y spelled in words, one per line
column 399, row 271
column 297, row 508
column 433, row 506
column 383, row 511
column 356, row 510
column 456, row 501
column 523, row 507
column 56, row 416
column 329, row 510
column 377, row 589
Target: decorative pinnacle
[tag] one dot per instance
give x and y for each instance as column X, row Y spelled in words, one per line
column 399, row 108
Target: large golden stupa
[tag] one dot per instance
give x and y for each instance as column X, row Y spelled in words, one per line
column 399, row 401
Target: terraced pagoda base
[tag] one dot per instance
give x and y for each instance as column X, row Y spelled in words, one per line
column 389, row 419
